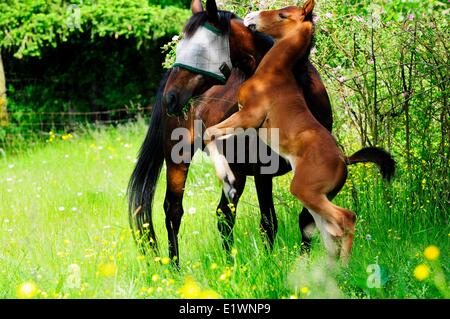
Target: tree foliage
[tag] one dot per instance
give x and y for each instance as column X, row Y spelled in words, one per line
column 385, row 66
column 28, row 26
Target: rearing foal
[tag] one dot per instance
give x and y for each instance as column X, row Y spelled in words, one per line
column 271, row 99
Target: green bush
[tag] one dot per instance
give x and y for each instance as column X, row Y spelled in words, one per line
column 83, row 56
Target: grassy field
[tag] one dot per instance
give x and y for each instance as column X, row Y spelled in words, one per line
column 65, row 234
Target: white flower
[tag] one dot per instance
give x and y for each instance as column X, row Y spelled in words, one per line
column 74, row 276
column 176, row 38
column 10, row 166
column 74, row 209
column 79, row 194
column 328, row 15
column 61, row 209
column 192, row 211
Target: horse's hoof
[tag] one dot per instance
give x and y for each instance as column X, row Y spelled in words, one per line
column 232, row 194
column 305, row 249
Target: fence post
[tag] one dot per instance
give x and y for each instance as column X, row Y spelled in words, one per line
column 3, row 110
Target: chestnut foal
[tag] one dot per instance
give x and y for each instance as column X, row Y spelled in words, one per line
column 271, row 99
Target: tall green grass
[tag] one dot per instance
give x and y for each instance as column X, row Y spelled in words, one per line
column 64, row 226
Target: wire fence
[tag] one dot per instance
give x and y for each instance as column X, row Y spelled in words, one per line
column 35, row 124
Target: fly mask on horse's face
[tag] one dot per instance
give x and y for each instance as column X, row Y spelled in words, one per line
column 206, row 52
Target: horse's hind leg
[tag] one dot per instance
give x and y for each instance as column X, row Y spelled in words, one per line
column 269, row 223
column 226, row 213
column 307, row 226
column 336, row 224
column 173, row 205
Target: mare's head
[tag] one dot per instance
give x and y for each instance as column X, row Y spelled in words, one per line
column 213, row 43
column 283, row 22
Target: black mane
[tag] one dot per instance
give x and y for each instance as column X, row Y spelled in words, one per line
column 199, row 19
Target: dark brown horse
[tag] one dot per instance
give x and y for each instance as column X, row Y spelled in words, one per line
column 216, row 103
column 271, row 99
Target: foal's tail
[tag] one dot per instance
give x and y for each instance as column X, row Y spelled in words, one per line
column 376, row 155
column 142, row 184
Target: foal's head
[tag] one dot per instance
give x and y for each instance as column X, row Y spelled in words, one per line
column 214, row 42
column 283, row 22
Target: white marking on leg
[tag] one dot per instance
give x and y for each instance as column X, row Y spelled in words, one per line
column 223, row 170
column 328, row 240
column 224, row 137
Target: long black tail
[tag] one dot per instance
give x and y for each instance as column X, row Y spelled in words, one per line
column 376, row 155
column 142, row 184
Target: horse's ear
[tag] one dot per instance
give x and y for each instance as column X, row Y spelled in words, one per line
column 211, row 11
column 196, row 6
column 308, row 7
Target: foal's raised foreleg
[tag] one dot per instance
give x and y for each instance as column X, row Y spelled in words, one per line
column 240, row 120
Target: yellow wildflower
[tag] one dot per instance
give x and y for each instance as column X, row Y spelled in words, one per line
column 431, row 253
column 165, row 260
column 27, row 290
column 421, row 272
column 190, row 289
column 304, row 290
column 66, row 137
column 209, row 294
column 108, row 270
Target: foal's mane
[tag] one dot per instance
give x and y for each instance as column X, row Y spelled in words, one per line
column 199, row 19
column 305, row 58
